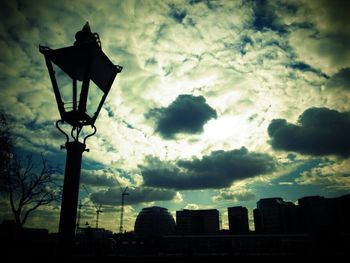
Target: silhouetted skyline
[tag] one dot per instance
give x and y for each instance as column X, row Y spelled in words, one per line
column 315, row 226
column 311, row 215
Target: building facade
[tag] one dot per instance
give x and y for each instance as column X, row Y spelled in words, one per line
column 275, row 216
column 154, row 221
column 321, row 215
column 238, row 220
column 198, row 222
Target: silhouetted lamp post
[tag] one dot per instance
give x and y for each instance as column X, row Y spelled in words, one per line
column 81, row 77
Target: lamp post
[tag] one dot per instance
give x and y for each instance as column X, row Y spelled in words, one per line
column 84, row 65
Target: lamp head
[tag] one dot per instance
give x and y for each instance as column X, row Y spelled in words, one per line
column 82, row 64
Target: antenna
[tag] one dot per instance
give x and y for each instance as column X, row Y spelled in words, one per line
column 124, row 193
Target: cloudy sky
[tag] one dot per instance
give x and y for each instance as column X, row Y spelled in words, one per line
column 220, row 103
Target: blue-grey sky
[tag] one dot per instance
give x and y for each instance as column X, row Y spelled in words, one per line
column 220, row 103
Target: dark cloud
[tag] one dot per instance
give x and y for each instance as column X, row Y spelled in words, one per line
column 95, row 178
column 265, row 17
column 291, row 156
column 340, row 80
column 211, row 4
column 193, row 2
column 217, row 170
column 320, row 131
column 177, row 14
column 242, row 46
column 187, row 114
column 161, row 32
column 138, row 195
column 336, row 16
column 307, row 68
column 245, row 43
column 329, row 34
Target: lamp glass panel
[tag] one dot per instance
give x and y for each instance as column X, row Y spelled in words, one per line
column 94, row 98
column 64, row 83
column 65, row 86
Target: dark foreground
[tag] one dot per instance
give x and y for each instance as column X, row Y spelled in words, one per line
column 44, row 247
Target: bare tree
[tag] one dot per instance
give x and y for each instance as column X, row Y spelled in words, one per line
column 27, row 185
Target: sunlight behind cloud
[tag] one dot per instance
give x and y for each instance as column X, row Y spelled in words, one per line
column 226, row 127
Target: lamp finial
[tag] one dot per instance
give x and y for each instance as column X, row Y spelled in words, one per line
column 86, row 27
column 85, row 36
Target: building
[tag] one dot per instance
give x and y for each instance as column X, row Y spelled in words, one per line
column 198, row 222
column 238, row 220
column 343, row 205
column 269, row 215
column 275, row 216
column 154, row 221
column 313, row 215
column 324, row 215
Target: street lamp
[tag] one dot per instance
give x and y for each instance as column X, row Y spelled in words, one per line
column 84, row 65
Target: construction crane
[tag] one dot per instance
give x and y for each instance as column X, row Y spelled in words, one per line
column 124, row 193
column 98, row 211
column 97, row 207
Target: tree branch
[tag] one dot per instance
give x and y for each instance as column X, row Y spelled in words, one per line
column 28, row 188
